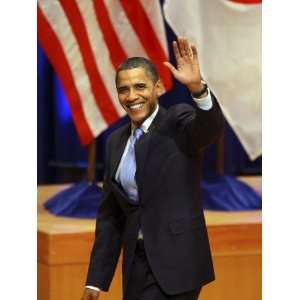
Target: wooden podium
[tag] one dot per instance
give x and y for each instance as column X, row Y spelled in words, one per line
column 64, row 246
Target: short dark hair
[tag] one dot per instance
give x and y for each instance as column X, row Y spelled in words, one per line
column 139, row 62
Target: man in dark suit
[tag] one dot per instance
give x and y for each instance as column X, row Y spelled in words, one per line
column 151, row 202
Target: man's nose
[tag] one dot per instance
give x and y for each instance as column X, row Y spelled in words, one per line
column 132, row 95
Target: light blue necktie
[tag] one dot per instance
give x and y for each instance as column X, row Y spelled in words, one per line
column 128, row 168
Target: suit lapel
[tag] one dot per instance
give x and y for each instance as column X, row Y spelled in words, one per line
column 118, row 150
column 141, row 148
column 144, row 144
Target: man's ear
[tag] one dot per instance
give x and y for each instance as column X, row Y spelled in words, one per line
column 159, row 88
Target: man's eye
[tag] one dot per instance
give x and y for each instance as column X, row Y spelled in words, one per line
column 122, row 90
column 140, row 86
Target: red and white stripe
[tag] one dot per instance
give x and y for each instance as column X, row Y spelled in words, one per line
column 86, row 40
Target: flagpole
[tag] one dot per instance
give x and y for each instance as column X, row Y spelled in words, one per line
column 91, row 171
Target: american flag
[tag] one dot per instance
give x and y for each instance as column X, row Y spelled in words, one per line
column 86, row 40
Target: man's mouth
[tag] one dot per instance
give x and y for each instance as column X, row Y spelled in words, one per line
column 135, row 106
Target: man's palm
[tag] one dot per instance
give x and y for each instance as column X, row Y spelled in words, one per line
column 188, row 69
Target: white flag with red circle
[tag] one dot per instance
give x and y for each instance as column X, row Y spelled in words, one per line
column 228, row 37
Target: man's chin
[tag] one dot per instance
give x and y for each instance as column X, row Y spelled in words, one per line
column 137, row 119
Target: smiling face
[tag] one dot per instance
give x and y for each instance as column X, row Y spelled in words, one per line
column 137, row 93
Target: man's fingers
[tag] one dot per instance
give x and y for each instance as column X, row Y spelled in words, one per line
column 195, row 52
column 186, row 47
column 176, row 51
column 171, row 68
column 181, row 46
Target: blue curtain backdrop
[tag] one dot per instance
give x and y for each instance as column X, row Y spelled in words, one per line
column 61, row 158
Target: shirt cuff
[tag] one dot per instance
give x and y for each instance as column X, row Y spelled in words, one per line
column 93, row 288
column 204, row 103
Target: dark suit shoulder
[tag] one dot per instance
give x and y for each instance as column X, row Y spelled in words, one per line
column 180, row 108
column 181, row 112
column 116, row 134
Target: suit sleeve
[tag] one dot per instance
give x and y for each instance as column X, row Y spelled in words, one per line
column 108, row 238
column 197, row 128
